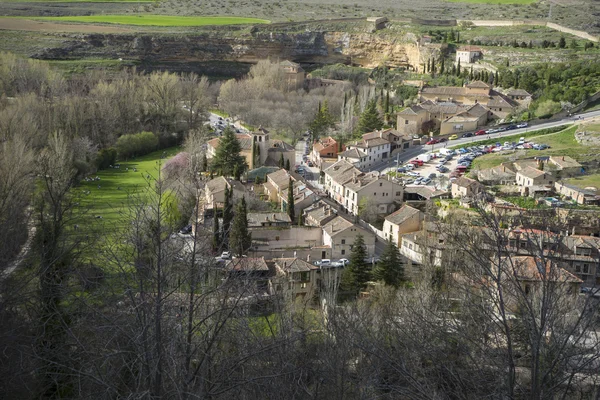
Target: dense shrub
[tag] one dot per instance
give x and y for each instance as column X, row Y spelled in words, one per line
column 106, row 158
column 137, row 144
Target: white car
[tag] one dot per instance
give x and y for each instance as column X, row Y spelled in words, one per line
column 522, row 140
column 226, row 255
column 344, row 261
column 413, row 174
column 323, row 263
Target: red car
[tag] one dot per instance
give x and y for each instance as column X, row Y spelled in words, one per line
column 433, row 141
column 416, row 163
column 479, row 133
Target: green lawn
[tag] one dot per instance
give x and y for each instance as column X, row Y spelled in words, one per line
column 111, row 195
column 585, row 181
column 78, row 1
column 521, row 2
column 561, row 143
column 157, row 20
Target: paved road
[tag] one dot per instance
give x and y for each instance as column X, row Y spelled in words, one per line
column 416, row 150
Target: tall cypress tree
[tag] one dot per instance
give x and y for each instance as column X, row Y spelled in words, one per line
column 442, row 66
column 240, row 239
column 216, row 237
column 287, row 164
column 290, row 201
column 227, row 216
column 390, row 268
column 458, row 68
column 281, row 161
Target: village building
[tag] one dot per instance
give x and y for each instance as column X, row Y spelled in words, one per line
column 303, row 198
column 376, row 150
column 529, row 177
column 295, row 279
column 464, row 187
column 294, row 73
column 340, row 234
column 498, row 175
column 583, row 196
column 319, row 214
column 405, row 220
column 468, row 54
column 268, row 219
column 276, row 183
column 325, row 149
column 565, row 166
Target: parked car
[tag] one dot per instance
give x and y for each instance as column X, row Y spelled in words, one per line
column 414, row 174
column 521, row 140
column 480, row 133
column 490, row 131
column 226, row 255
column 443, row 169
column 453, row 137
column 186, row 229
column 344, row 261
column 468, row 134
column 408, row 181
column 425, row 181
column 416, row 162
column 310, row 164
column 401, row 170
column 522, row 125
column 322, row 263
column 511, row 127
column 433, row 141
column 432, row 175
column 442, row 139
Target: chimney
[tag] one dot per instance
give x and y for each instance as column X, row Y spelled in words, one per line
column 354, row 177
column 563, row 158
column 381, row 134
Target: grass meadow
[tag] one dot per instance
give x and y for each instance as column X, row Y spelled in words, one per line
column 157, row 20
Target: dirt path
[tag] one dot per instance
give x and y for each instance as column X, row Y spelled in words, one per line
column 18, row 24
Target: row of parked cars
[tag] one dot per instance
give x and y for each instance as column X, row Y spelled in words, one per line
column 326, row 262
column 480, row 132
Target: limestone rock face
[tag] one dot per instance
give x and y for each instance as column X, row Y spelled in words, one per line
column 361, row 49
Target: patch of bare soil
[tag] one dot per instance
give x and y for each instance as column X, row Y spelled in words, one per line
column 17, row 24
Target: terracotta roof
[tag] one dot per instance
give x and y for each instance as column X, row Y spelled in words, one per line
column 280, row 178
column 498, row 100
column 498, row 172
column 465, row 182
column 530, row 268
column 217, row 184
column 257, row 219
column 518, row 92
column 320, row 211
column 368, row 143
column 412, row 110
column 477, row 110
column 564, row 162
column 247, row 264
column 294, row 265
column 405, row 212
column 444, row 107
column 245, row 140
column 342, row 171
column 353, row 153
column 362, row 182
column 478, row 84
column 469, row 48
column 339, row 224
column 532, row 173
column 462, row 117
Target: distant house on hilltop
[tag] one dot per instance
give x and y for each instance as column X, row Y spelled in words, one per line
column 468, row 54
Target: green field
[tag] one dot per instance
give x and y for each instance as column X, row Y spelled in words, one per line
column 111, row 196
column 520, row 2
column 592, row 180
column 157, row 20
column 562, row 143
column 78, row 1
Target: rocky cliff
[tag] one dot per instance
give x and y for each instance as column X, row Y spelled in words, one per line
column 361, row 49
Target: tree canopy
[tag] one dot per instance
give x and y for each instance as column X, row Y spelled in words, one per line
column 369, row 119
column 228, row 160
column 240, row 239
column 390, row 269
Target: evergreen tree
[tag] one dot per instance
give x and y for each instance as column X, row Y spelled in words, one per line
column 458, row 68
column 281, row 161
column 573, row 44
column 228, row 156
column 216, row 237
column 429, row 65
column 386, row 106
column 390, row 269
column 240, row 239
column 369, row 119
column 287, row 164
column 322, row 121
column 290, row 201
column 359, row 268
column 497, row 79
column 204, row 164
column 442, row 66
column 452, row 36
column 562, row 43
column 471, row 76
column 227, row 215
column 530, row 44
column 457, row 36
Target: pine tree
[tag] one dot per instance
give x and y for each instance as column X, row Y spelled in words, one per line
column 228, row 156
column 390, row 269
column 216, row 237
column 240, row 239
column 227, row 215
column 290, row 201
column 369, row 120
column 359, row 268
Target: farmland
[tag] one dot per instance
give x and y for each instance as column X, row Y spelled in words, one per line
column 157, row 20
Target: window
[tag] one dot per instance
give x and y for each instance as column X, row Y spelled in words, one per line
column 410, row 246
column 380, row 184
column 523, row 244
column 343, row 252
column 582, row 251
column 405, row 122
column 303, row 286
column 374, row 194
column 343, row 241
column 512, row 243
column 398, row 193
column 577, row 267
column 586, row 268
